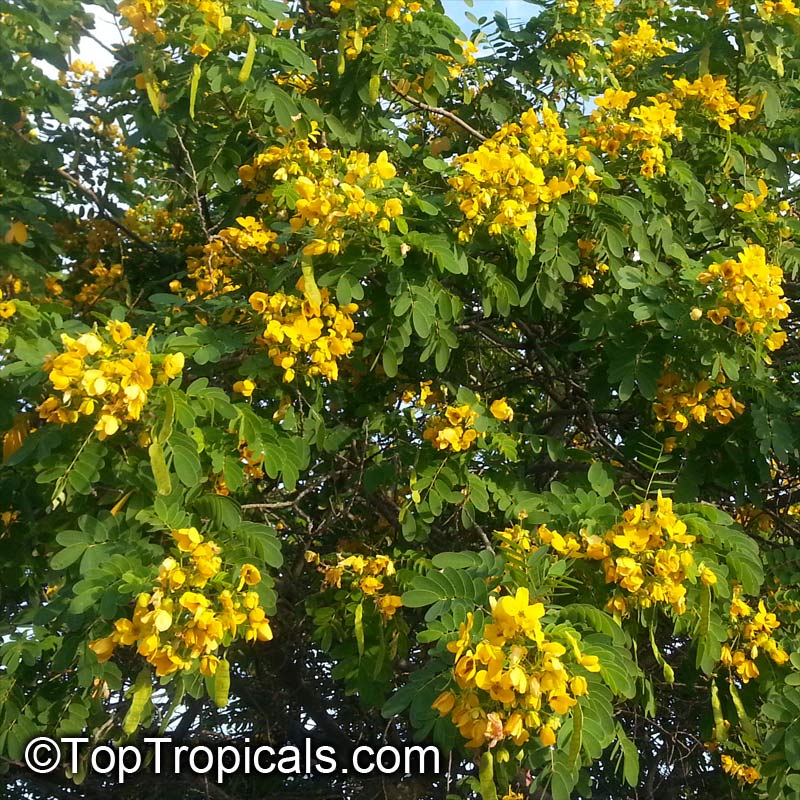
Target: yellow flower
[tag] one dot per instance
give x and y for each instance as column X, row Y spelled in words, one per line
column 369, row 585
column 501, row 410
column 249, row 575
column 393, row 208
column 245, row 387
column 200, row 49
column 172, row 366
column 16, row 234
column 317, row 247
column 383, row 167
column 547, row 736
column 388, row 604
column 187, row 538
column 108, row 425
column 208, row 665
column 103, row 648
column 444, row 703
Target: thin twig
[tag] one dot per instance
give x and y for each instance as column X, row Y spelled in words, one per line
column 442, row 112
column 204, row 221
column 103, row 207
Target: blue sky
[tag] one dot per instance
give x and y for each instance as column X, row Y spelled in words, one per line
column 513, row 9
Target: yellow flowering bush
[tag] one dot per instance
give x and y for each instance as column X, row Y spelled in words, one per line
column 751, row 293
column 452, row 429
column 681, row 402
column 104, row 373
column 750, row 633
column 636, row 49
column 195, row 609
column 371, row 576
column 570, row 239
column 328, row 196
column 519, row 172
column 515, row 680
column 305, row 337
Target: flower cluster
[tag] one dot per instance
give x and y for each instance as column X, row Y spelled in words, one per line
column 503, row 184
column 106, row 373
column 739, row 771
column 79, row 75
column 106, row 279
column 425, row 396
column 647, row 553
column 751, row 633
column 681, row 403
column 750, row 202
column 514, row 680
column 452, row 429
column 587, row 16
column 642, row 129
column 454, row 66
column 783, row 8
column 752, row 293
column 153, row 223
column 366, row 574
column 714, row 98
column 193, row 611
column 635, row 49
column 301, row 335
column 210, row 267
column 591, row 9
column 327, row 195
column 395, row 10
column 143, row 15
column 251, row 235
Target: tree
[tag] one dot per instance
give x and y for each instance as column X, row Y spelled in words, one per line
column 370, row 384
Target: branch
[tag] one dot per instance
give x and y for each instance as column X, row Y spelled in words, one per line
column 442, row 112
column 103, row 207
column 104, row 210
column 202, row 209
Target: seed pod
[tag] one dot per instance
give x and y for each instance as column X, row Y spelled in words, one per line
column 222, row 683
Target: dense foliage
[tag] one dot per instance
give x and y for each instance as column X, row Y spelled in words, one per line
column 366, row 381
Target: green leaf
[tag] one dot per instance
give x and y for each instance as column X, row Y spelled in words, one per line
column 417, row 598
column 791, row 745
column 600, row 479
column 262, row 539
column 630, row 758
column 456, row 560
column 222, row 511
column 563, row 778
column 68, row 556
column 185, row 460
